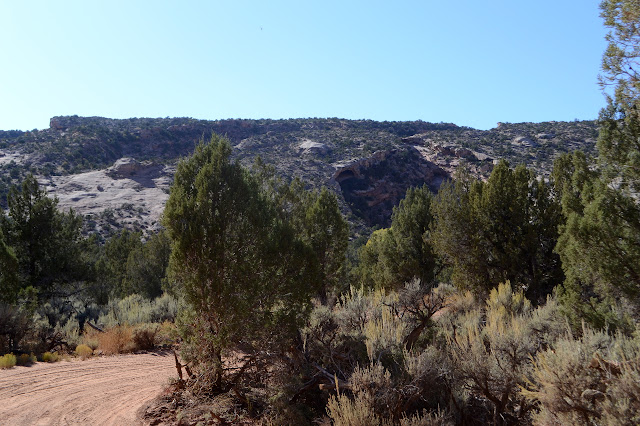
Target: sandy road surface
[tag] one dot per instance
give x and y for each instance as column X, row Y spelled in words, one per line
column 100, row 391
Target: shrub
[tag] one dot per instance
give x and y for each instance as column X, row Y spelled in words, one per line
column 167, row 334
column 14, row 325
column 90, row 337
column 344, row 411
column 362, row 341
column 84, row 351
column 26, row 359
column 492, row 351
column 591, row 380
column 8, row 361
column 116, row 340
column 144, row 338
column 135, row 309
column 50, row 357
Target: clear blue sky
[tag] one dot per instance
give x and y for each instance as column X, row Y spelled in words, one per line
column 468, row 62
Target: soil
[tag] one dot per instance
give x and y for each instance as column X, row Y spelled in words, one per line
column 98, row 391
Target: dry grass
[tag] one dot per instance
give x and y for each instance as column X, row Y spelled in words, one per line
column 116, row 340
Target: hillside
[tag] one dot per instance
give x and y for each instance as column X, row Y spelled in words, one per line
column 118, row 172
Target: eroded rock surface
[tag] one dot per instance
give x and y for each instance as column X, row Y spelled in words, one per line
column 373, row 186
column 132, row 193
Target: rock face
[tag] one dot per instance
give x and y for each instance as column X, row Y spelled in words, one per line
column 450, row 156
column 127, row 168
column 130, row 193
column 310, row 147
column 113, row 171
column 374, row 185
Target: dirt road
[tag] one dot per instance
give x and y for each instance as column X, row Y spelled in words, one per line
column 100, row 391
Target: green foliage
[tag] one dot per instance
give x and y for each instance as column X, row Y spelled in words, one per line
column 374, row 260
column 50, row 357
column 326, row 231
column 620, row 59
column 410, row 224
column 598, row 246
column 403, row 252
column 135, row 309
column 126, row 265
column 146, row 266
column 47, row 243
column 111, row 267
column 502, row 229
column 9, row 282
column 239, row 265
column 15, row 323
column 316, row 219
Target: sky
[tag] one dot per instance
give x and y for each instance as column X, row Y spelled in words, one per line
column 469, row 62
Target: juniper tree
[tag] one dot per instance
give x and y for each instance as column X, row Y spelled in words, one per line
column 499, row 230
column 599, row 245
column 245, row 273
column 397, row 255
column 47, row 243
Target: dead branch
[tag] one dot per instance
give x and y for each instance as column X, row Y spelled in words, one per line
column 178, row 366
column 95, row 327
column 332, row 379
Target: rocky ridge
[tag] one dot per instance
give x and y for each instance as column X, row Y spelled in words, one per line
column 118, row 172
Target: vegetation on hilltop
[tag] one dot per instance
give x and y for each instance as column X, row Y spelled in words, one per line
column 75, row 144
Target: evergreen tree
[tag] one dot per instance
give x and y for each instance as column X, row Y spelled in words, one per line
column 111, row 266
column 599, row 245
column 47, row 243
column 316, row 218
column 146, row 266
column 326, row 231
column 9, row 284
column 245, row 274
column 395, row 256
column 499, row 230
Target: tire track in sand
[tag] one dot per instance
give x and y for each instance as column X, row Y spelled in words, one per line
column 99, row 391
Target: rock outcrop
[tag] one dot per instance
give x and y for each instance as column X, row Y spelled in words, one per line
column 374, row 185
column 101, row 168
column 310, row 147
column 450, row 156
column 129, row 192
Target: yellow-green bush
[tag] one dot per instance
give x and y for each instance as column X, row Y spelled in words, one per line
column 84, row 351
column 50, row 357
column 358, row 411
column 8, row 361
